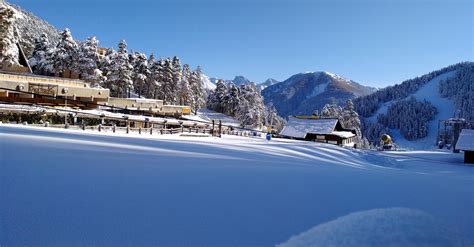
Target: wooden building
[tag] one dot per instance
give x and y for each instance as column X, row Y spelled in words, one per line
column 466, row 144
column 326, row 130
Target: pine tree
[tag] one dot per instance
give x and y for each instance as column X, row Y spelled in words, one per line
column 216, row 98
column 65, row 52
column 168, row 87
column 140, row 73
column 176, row 78
column 38, row 59
column 232, row 100
column 198, row 90
column 252, row 110
column 87, row 62
column 153, row 80
column 119, row 72
column 185, row 94
column 8, row 37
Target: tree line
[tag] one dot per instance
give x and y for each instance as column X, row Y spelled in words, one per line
column 244, row 103
column 121, row 71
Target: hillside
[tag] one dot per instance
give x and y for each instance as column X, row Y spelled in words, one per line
column 379, row 115
column 306, row 92
column 30, row 27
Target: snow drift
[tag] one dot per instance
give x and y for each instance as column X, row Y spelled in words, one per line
column 380, row 227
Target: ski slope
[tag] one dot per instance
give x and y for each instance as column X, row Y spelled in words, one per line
column 65, row 187
column 444, row 106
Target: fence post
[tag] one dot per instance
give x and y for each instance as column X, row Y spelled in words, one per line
column 212, row 130
column 113, row 128
column 128, row 129
column 100, row 127
column 220, row 128
column 140, row 130
column 151, row 130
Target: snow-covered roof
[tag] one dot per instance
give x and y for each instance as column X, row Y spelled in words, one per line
column 466, row 140
column 298, row 128
column 343, row 134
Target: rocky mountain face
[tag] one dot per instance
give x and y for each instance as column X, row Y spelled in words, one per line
column 303, row 93
column 267, row 83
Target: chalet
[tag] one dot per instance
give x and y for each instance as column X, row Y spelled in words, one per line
column 466, row 144
column 326, row 130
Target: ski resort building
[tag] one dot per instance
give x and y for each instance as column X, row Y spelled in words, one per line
column 152, row 106
column 465, row 143
column 29, row 88
column 326, row 130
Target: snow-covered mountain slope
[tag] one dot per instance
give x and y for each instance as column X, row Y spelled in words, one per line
column 306, row 92
column 208, row 85
column 423, row 88
column 89, row 188
column 445, row 110
column 30, row 27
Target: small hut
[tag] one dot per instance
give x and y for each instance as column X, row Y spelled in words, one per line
column 466, row 144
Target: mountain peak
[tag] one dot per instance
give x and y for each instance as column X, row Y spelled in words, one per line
column 240, row 80
column 305, row 92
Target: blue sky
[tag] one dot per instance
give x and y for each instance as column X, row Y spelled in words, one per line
column 374, row 42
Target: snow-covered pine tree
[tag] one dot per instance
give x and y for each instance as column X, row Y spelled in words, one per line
column 331, row 111
column 177, row 75
column 252, row 110
column 350, row 118
column 153, row 80
column 216, row 98
column 185, row 95
column 65, row 53
column 8, row 37
column 140, row 73
column 232, row 100
column 38, row 59
column 198, row 90
column 168, row 87
column 87, row 62
column 119, row 72
column 272, row 119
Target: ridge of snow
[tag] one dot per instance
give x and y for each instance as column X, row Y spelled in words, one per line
column 380, row 227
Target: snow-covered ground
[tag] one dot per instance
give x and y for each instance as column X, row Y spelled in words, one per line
column 65, row 187
column 207, row 115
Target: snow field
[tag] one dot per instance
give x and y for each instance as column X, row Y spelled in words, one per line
column 64, row 187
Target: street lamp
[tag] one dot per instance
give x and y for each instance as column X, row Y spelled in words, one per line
column 65, row 91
